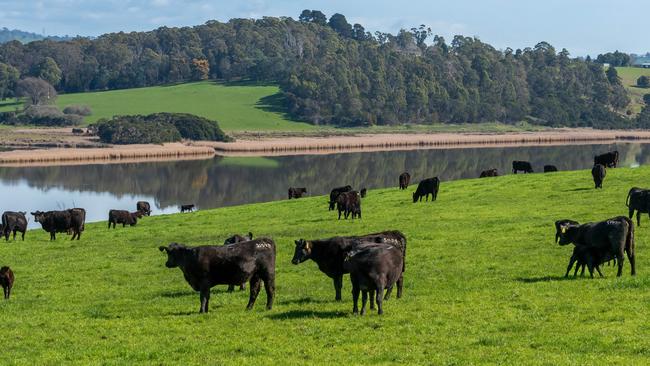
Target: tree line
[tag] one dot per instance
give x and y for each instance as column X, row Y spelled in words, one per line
column 333, row 72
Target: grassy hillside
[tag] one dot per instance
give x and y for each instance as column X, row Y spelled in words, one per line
column 629, row 75
column 236, row 107
column 483, row 285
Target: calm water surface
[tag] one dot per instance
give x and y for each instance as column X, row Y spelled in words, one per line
column 222, row 181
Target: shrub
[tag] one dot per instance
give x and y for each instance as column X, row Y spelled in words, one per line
column 47, row 115
column 81, row 110
column 643, row 82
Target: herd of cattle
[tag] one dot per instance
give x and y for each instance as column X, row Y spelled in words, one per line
column 376, row 262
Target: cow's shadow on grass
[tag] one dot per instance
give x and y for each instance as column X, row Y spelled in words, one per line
column 579, row 189
column 542, row 279
column 303, row 300
column 185, row 293
column 307, row 314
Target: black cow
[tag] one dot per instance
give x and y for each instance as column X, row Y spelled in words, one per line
column 598, row 172
column 638, row 199
column 609, row 159
column 550, row 168
column 6, row 281
column 334, row 194
column 349, row 203
column 521, row 166
column 237, row 239
column 429, row 186
column 489, row 173
column 207, row 266
column 66, row 221
column 363, row 192
column 144, row 207
column 13, row 222
column 373, row 268
column 122, row 217
column 590, row 257
column 187, row 208
column 329, row 255
column 297, row 192
column 610, row 238
column 404, row 180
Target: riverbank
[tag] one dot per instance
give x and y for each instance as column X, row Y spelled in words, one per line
column 482, row 285
column 84, row 149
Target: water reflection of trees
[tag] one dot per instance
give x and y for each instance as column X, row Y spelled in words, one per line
column 209, row 183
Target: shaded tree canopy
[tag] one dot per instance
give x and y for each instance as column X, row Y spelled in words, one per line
column 36, row 91
column 643, row 81
column 9, row 76
column 615, row 59
column 331, row 72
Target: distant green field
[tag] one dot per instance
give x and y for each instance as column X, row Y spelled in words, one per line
column 629, row 75
column 483, row 285
column 236, row 107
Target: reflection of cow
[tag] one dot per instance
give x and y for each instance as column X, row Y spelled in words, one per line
column 296, row 192
column 609, row 159
column 13, row 222
column 550, row 168
column 489, row 173
column 404, row 180
column 521, row 166
column 598, row 172
column 334, row 194
column 638, row 199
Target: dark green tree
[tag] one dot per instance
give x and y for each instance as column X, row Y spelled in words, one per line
column 340, row 25
column 643, row 81
column 9, row 76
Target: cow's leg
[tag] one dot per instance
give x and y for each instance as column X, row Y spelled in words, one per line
column 6, row 291
column 15, row 230
column 631, row 215
column 52, row 236
column 205, row 300
column 254, row 291
column 109, row 224
column 638, row 218
column 380, row 299
column 371, row 295
column 23, row 235
column 355, row 298
column 620, row 259
column 364, row 301
column 338, row 285
column 599, row 272
column 231, row 288
column 269, row 287
column 571, row 262
column 582, row 272
column 630, row 256
column 242, row 287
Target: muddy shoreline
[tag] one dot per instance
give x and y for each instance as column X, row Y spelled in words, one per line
column 278, row 146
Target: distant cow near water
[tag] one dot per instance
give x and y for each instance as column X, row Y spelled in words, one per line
column 13, row 222
column 187, row 208
column 598, row 173
column 426, row 187
column 489, row 173
column 609, row 159
column 521, row 166
column 144, row 207
column 6, row 281
column 334, row 194
column 638, row 199
column 66, row 221
column 404, row 180
column 550, row 168
column 122, row 217
column 297, row 192
column 207, row 266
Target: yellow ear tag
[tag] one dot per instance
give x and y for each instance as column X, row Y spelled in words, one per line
column 308, row 246
column 563, row 230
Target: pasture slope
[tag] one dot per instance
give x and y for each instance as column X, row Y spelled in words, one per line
column 483, row 285
column 629, row 76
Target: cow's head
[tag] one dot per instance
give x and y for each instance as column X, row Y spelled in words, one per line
column 415, row 197
column 564, row 231
column 175, row 254
column 302, row 252
column 38, row 216
column 134, row 219
column 332, row 203
column 137, row 214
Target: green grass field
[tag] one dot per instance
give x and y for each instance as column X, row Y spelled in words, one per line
column 483, row 285
column 629, row 76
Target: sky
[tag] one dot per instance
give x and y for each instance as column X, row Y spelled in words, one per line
column 584, row 27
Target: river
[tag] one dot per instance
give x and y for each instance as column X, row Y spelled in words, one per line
column 223, row 181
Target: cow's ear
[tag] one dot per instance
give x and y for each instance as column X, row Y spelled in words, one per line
column 297, row 241
column 161, row 248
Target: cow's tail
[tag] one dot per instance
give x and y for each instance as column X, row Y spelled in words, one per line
column 627, row 200
column 629, row 239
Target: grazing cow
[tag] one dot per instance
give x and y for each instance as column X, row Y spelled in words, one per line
column 66, row 221
column 598, row 172
column 429, row 186
column 122, row 217
column 6, row 281
column 521, row 166
column 489, row 173
column 329, row 255
column 13, row 222
column 590, row 257
column 144, row 207
column 207, row 266
column 609, row 159
column 363, row 192
column 334, row 194
column 297, row 192
column 609, row 238
column 550, row 168
column 232, row 240
column 187, row 208
column 349, row 203
column 373, row 268
column 77, row 131
column 404, row 180
column 638, row 199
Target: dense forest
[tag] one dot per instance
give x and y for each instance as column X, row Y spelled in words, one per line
column 333, row 72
